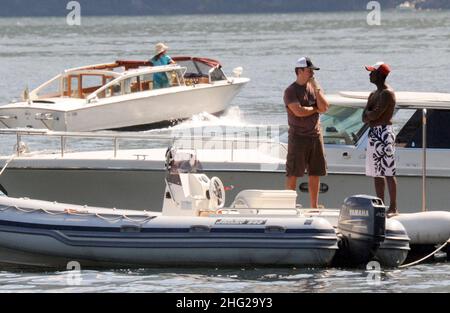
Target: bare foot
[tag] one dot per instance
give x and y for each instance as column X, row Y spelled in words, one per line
column 392, row 212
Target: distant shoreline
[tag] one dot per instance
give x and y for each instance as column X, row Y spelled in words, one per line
column 392, row 10
column 55, row 8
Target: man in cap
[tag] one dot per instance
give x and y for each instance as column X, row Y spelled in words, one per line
column 304, row 100
column 380, row 158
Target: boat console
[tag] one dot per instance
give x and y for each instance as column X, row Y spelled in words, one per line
column 191, row 193
column 188, row 192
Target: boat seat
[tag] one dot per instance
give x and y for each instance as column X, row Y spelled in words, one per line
column 146, row 85
column 196, row 80
column 194, row 186
column 265, row 199
column 197, row 187
column 134, row 87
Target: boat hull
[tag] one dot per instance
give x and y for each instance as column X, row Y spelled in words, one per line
column 14, row 258
column 395, row 248
column 144, row 185
column 39, row 233
column 142, row 109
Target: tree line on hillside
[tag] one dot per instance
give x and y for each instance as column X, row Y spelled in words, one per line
column 158, row 7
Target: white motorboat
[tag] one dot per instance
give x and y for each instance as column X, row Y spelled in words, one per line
column 261, row 227
column 242, row 163
column 407, row 6
column 121, row 95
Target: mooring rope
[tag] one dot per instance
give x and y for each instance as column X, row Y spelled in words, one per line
column 7, row 163
column 426, row 257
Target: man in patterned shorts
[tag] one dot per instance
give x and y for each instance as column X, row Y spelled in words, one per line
column 380, row 156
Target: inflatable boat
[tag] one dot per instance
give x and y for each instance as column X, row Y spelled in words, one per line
column 47, row 234
column 261, row 227
column 427, row 231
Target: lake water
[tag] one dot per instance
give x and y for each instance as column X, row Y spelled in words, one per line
column 416, row 44
column 420, row 278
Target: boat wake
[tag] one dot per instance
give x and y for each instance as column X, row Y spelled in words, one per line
column 232, row 117
column 231, row 123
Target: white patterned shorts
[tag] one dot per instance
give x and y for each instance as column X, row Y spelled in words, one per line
column 380, row 154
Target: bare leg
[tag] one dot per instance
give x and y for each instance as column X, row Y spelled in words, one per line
column 314, row 182
column 392, row 187
column 379, row 187
column 291, row 182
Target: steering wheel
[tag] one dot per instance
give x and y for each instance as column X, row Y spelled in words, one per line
column 169, row 158
column 217, row 192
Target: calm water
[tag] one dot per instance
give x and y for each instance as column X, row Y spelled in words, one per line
column 32, row 50
column 420, row 278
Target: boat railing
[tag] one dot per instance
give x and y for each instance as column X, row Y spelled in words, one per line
column 231, row 143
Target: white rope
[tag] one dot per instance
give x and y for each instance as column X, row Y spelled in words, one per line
column 19, row 209
column 108, row 219
column 145, row 220
column 53, row 213
column 426, row 257
column 78, row 213
column 7, row 163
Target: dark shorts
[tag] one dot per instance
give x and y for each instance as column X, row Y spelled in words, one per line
column 305, row 154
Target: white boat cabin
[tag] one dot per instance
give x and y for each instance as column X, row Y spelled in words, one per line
column 125, row 77
column 342, row 124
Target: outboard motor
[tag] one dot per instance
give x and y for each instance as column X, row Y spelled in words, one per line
column 362, row 225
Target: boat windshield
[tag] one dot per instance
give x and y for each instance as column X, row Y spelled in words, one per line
column 408, row 127
column 342, row 125
column 182, row 161
column 200, row 72
column 141, row 82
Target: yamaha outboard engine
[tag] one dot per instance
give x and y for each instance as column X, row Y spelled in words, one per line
column 362, row 225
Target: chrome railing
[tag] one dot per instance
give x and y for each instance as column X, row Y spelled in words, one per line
column 231, row 143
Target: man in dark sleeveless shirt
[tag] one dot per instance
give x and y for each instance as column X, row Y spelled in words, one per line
column 380, row 155
column 304, row 100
